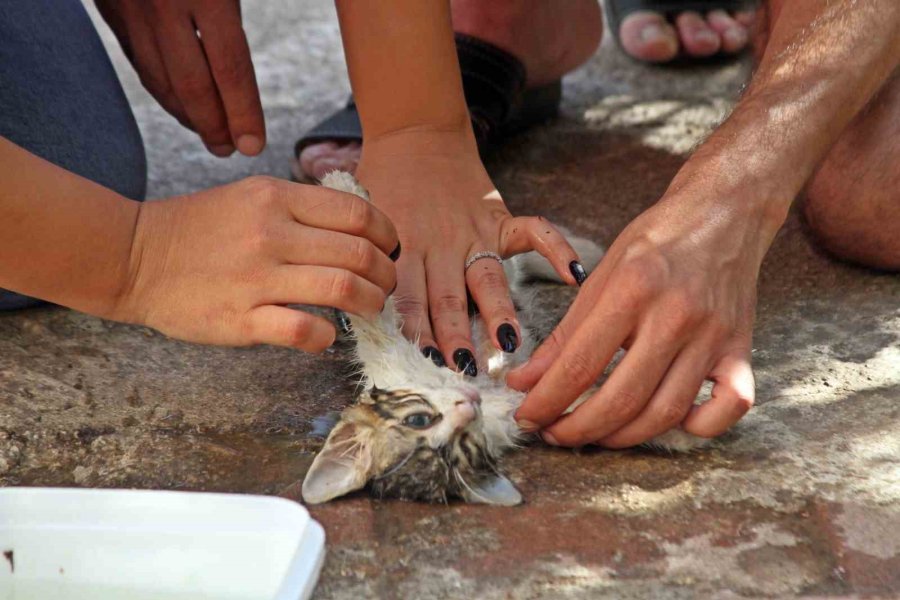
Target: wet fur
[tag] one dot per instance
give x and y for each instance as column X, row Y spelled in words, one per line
column 452, row 458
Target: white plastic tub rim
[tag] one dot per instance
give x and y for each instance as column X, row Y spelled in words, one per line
column 76, row 544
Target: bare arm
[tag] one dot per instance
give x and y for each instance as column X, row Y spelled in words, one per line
column 63, row 238
column 218, row 266
column 678, row 287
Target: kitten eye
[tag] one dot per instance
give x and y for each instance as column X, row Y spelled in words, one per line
column 418, row 420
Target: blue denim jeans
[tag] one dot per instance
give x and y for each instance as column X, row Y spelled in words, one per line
column 61, row 100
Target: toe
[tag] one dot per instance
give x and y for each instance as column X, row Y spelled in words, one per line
column 341, row 158
column 747, row 18
column 317, row 160
column 697, row 38
column 310, row 155
column 648, row 36
column 733, row 35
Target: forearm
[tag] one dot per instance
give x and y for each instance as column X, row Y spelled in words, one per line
column 824, row 61
column 403, row 67
column 62, row 238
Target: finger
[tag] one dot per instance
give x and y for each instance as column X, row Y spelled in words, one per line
column 487, row 283
column 302, row 245
column 188, row 69
column 411, row 303
column 282, row 326
column 620, row 398
column 228, row 54
column 522, row 234
column 732, row 396
column 325, row 208
column 525, row 377
column 584, row 352
column 734, row 35
column 670, row 403
column 323, row 286
column 449, row 310
column 128, row 21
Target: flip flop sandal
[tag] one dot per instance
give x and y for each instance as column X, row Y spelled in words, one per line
column 494, row 86
column 617, row 10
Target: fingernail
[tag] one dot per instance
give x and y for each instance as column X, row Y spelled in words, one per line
column 652, row 32
column 395, row 254
column 249, row 145
column 527, row 426
column 222, row 150
column 549, row 439
column 506, row 335
column 435, row 355
column 577, row 272
column 465, row 362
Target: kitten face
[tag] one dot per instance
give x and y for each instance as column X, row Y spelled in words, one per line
column 425, row 445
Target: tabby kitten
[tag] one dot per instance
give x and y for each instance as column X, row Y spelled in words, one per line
column 423, row 432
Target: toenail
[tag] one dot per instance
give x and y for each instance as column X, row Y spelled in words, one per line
column 652, row 33
column 705, row 35
column 735, row 36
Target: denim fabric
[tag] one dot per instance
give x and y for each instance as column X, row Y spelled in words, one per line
column 61, row 100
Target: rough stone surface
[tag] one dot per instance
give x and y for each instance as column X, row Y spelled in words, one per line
column 800, row 500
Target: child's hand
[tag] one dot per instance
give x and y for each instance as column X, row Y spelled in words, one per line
column 220, row 266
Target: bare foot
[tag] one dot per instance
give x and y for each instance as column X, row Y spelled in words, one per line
column 549, row 38
column 648, row 36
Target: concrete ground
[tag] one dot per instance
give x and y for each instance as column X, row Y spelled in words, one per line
column 801, row 499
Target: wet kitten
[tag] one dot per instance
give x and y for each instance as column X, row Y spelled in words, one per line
column 423, row 432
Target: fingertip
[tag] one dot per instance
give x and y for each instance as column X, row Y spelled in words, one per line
column 578, row 273
column 221, row 150
column 250, row 145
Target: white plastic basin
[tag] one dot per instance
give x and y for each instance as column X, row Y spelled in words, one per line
column 76, row 544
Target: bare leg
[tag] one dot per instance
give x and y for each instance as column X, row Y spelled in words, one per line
column 852, row 203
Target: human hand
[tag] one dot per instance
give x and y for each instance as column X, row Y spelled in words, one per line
column 677, row 289
column 445, row 207
column 220, row 266
column 192, row 56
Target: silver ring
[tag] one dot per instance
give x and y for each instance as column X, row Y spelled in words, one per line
column 479, row 255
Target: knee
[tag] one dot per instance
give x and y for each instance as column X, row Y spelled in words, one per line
column 854, row 223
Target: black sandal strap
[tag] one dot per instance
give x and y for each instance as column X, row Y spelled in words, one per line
column 493, row 82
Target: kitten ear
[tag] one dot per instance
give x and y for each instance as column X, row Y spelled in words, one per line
column 340, row 468
column 492, row 488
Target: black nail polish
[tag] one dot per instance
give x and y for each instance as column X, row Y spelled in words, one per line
column 435, row 355
column 577, row 272
column 343, row 321
column 395, row 254
column 506, row 335
column 465, row 362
